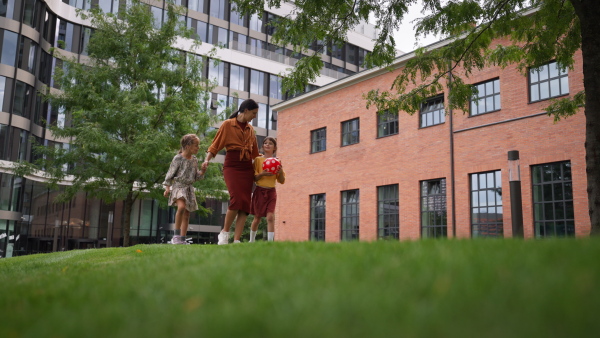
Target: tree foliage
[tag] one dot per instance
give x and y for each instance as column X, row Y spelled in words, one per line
column 534, row 32
column 127, row 106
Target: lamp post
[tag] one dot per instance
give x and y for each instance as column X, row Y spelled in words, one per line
column 516, row 204
column 55, row 240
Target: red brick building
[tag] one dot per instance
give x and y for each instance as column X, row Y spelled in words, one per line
column 355, row 174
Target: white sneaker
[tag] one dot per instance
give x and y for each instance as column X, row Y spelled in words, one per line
column 223, row 238
column 236, row 242
column 176, row 240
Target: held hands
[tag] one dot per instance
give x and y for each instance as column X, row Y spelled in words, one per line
column 204, row 166
column 167, row 191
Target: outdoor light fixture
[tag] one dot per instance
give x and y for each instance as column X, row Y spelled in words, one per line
column 55, row 240
column 516, row 203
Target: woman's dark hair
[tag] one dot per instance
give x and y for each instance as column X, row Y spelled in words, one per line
column 248, row 104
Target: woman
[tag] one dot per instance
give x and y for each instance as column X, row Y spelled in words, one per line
column 237, row 136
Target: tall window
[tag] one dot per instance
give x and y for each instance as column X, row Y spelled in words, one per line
column 553, row 200
column 262, row 116
column 218, row 72
column 9, row 47
column 198, row 5
column 350, row 213
column 432, row 112
column 157, row 13
column 200, row 29
column 317, row 217
column 350, row 132
column 29, row 13
column 388, row 215
column 27, row 55
column 258, row 84
column 8, row 9
column 486, row 204
column 256, row 22
column 238, row 41
column 24, row 95
column 362, row 54
column 318, row 140
column 434, row 219
column 351, row 54
column 238, row 78
column 218, row 9
column 547, row 81
column 275, row 87
column 337, row 51
column 487, row 97
column 387, row 124
column 49, row 27
column 237, row 18
column 3, row 143
column 217, row 36
column 5, row 89
column 269, row 27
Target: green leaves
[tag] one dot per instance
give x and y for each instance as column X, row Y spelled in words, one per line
column 127, row 107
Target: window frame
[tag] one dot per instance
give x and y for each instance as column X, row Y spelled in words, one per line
column 350, row 133
column 353, row 232
column 480, row 191
column 388, row 232
column 547, row 81
column 542, row 206
column 431, row 102
column 442, row 213
column 314, row 140
column 315, row 234
column 383, row 124
column 485, row 96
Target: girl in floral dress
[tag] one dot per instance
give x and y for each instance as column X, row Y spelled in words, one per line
column 178, row 183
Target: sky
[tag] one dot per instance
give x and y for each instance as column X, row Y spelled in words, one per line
column 405, row 36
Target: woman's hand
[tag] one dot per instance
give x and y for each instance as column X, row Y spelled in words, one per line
column 167, row 191
column 204, row 166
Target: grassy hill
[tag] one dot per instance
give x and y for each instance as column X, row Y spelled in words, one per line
column 427, row 288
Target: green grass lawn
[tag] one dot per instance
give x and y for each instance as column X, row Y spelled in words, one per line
column 426, row 288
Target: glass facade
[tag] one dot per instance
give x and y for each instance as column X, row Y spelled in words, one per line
column 45, row 225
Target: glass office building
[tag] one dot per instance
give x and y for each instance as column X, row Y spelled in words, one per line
column 30, row 220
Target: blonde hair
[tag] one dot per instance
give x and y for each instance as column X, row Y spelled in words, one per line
column 187, row 140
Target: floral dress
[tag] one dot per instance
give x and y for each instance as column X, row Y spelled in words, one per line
column 181, row 176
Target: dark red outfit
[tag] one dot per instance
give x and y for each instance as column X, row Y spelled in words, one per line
column 239, row 140
column 263, row 201
column 239, row 177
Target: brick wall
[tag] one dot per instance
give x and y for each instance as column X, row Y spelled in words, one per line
column 417, row 154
